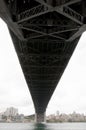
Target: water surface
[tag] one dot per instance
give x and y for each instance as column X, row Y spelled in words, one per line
column 47, row 126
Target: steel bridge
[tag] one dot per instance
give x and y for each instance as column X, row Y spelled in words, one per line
column 45, row 34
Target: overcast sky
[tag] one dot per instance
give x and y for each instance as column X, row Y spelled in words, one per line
column 70, row 94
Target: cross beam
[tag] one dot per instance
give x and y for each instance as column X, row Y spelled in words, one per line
column 63, row 9
column 66, row 3
column 45, row 8
column 78, row 33
column 40, row 30
column 41, row 33
column 71, row 14
column 52, row 30
column 32, row 13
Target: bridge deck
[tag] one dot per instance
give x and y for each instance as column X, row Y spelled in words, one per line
column 45, row 34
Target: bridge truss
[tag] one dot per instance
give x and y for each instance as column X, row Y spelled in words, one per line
column 45, row 34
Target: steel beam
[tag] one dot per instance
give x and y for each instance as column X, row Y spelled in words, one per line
column 70, row 14
column 70, row 2
column 41, row 34
column 37, row 30
column 6, row 16
column 66, row 3
column 78, row 33
column 53, row 30
column 32, row 13
column 63, row 9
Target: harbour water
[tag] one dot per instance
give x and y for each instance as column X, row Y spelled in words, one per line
column 47, row 126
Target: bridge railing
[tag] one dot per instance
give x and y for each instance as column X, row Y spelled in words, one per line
column 73, row 13
column 34, row 11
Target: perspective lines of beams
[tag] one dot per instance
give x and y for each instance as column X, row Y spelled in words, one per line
column 45, row 34
column 60, row 19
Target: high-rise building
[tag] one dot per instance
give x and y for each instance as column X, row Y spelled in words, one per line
column 11, row 111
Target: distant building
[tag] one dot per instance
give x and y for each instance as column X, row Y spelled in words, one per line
column 74, row 117
column 0, row 117
column 19, row 118
column 11, row 111
column 11, row 115
column 57, row 113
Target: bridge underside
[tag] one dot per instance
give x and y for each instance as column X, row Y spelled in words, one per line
column 45, row 34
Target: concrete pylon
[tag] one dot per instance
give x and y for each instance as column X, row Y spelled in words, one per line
column 40, row 117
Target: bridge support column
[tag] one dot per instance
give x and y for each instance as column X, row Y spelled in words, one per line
column 40, row 117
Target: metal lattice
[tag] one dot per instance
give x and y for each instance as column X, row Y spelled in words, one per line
column 45, row 34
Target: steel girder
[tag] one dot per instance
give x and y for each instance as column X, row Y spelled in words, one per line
column 45, row 34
